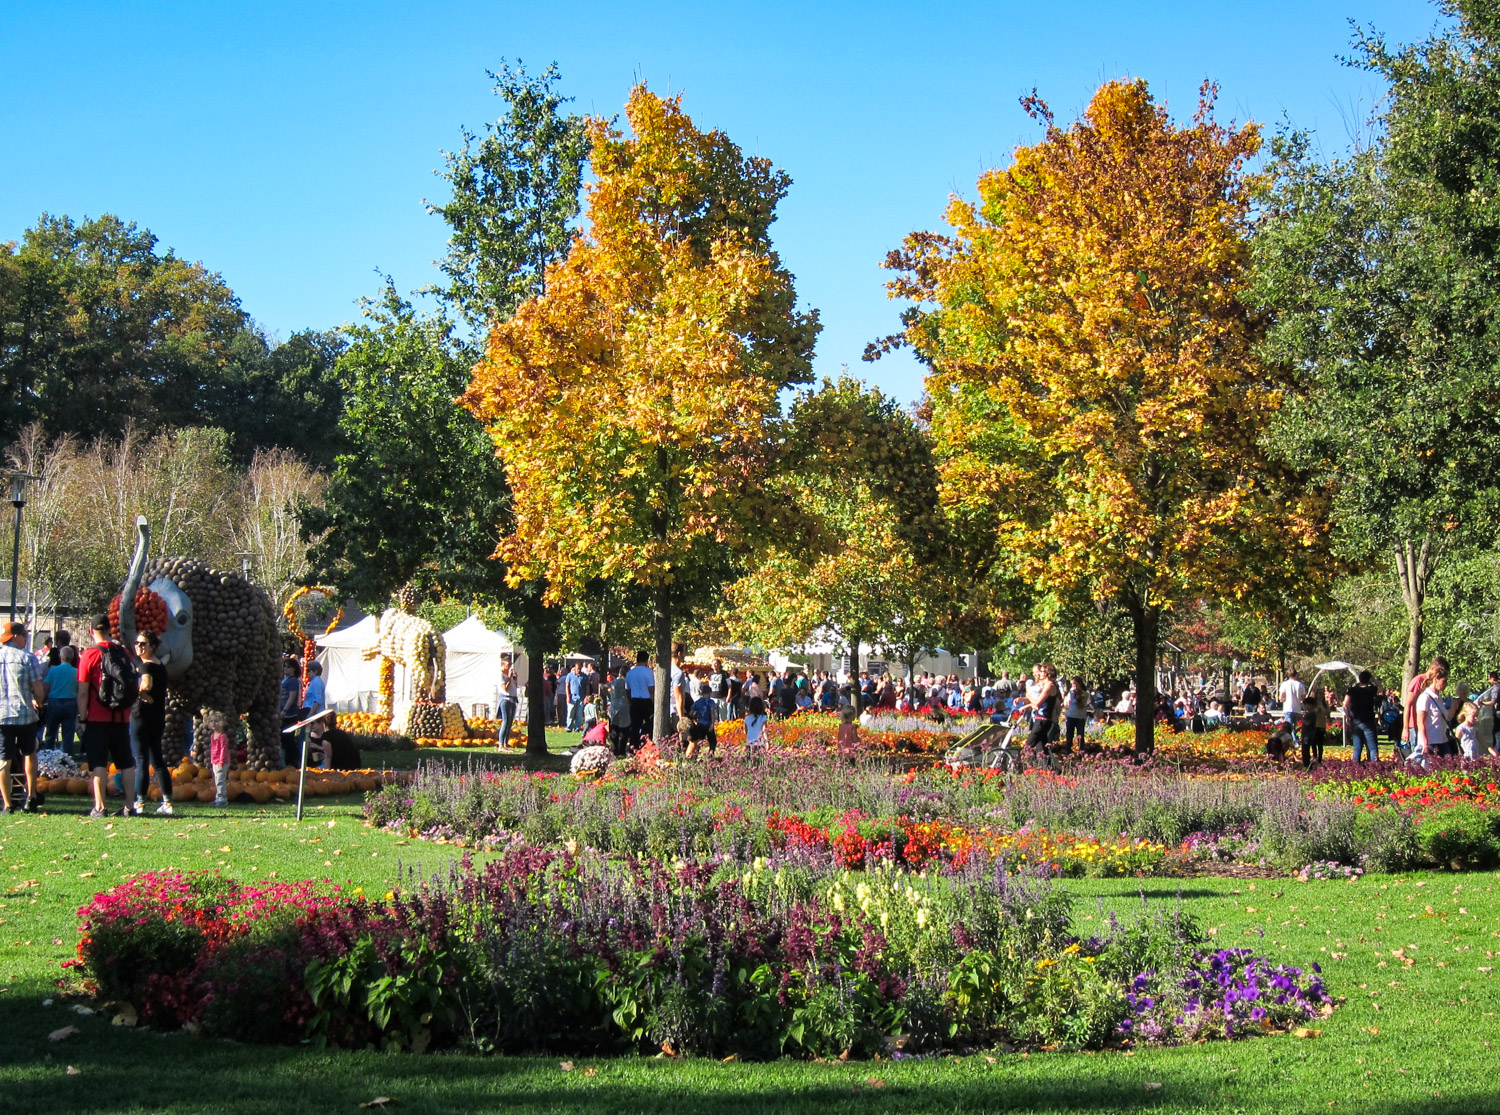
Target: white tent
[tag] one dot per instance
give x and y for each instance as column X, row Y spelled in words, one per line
column 475, row 654
column 352, row 684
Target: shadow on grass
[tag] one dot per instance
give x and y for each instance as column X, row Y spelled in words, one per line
column 125, row 1070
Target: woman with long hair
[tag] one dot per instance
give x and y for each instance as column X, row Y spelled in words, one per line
column 147, row 721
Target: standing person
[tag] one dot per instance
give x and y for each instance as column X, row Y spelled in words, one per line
column 828, row 693
column 560, row 699
column 148, row 719
column 788, row 694
column 682, row 698
column 573, row 685
column 619, row 715
column 510, row 696
column 641, row 680
column 704, row 713
column 755, row 723
column 106, row 691
column 1076, row 712
column 1292, row 692
column 62, row 700
column 1314, row 728
column 1467, row 731
column 290, row 706
column 1410, row 729
column 718, row 689
column 736, row 686
column 1431, row 716
column 1043, row 711
column 23, row 691
column 848, row 737
column 218, row 756
column 1005, row 689
column 1250, row 697
column 313, row 700
column 1359, row 715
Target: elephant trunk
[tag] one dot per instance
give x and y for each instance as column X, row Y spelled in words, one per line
column 133, row 582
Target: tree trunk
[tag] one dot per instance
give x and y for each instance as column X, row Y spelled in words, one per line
column 1413, row 566
column 536, row 705
column 661, row 624
column 1146, row 624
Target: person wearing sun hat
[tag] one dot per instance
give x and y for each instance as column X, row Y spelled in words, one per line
column 22, row 692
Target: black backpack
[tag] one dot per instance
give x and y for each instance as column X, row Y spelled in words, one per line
column 118, row 685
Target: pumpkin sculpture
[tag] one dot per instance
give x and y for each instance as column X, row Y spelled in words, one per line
column 220, row 648
column 414, row 643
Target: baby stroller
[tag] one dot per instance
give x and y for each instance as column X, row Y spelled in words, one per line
column 996, row 746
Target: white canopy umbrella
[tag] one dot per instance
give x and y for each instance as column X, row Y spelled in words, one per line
column 475, row 654
column 1334, row 667
column 351, row 683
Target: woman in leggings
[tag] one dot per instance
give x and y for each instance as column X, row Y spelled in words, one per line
column 148, row 718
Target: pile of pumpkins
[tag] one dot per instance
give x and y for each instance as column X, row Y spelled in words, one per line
column 195, row 783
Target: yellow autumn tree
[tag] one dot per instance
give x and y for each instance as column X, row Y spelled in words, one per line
column 635, row 401
column 1089, row 307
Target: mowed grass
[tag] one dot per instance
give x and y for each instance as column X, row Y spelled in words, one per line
column 1408, row 1037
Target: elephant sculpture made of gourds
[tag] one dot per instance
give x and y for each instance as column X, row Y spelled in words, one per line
column 219, row 645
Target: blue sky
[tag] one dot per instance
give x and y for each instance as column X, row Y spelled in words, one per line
column 289, row 146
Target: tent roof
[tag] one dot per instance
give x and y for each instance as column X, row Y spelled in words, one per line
column 473, row 637
column 357, row 636
column 1336, row 664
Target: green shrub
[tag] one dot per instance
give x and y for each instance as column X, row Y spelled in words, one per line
column 1460, row 837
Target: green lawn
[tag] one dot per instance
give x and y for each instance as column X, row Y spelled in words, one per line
column 1409, row 1037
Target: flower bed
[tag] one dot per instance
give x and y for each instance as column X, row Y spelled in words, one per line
column 577, row 953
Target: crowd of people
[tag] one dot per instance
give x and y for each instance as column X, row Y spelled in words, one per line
column 110, row 706
column 1054, row 712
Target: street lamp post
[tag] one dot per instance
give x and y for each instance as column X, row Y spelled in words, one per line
column 245, row 562
column 18, row 482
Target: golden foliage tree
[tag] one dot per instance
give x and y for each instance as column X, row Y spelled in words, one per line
column 1090, row 304
column 635, row 402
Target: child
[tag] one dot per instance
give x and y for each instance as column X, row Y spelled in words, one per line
column 1468, row 739
column 704, row 712
column 848, row 739
column 595, row 732
column 1280, row 743
column 755, row 723
column 218, row 757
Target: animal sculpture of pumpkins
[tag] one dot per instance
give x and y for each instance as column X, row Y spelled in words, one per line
column 220, row 648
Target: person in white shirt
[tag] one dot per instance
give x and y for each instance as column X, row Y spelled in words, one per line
column 681, row 696
column 1291, row 692
column 641, row 679
column 1432, row 716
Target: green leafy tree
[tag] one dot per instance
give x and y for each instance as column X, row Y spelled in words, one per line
column 100, row 329
column 1384, row 299
column 285, row 394
column 514, row 192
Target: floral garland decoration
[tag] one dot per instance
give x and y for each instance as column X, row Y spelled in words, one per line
column 309, row 645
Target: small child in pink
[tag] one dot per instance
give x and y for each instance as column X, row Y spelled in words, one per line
column 218, row 757
column 848, row 738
